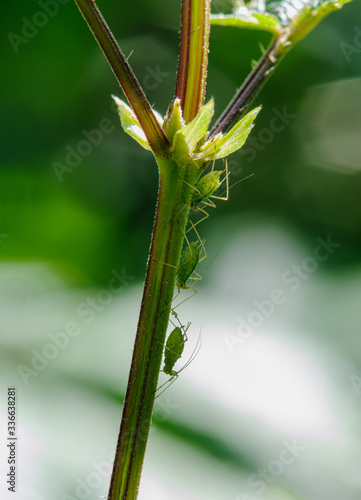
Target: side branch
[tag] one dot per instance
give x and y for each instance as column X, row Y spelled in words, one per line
column 249, row 90
column 124, row 75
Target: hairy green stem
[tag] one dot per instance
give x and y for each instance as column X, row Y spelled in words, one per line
column 175, row 190
column 193, row 56
column 169, row 229
column 124, row 75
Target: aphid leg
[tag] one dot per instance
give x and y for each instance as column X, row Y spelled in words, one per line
column 175, row 296
column 195, row 277
column 180, row 211
column 202, row 249
column 187, row 204
column 193, row 226
column 224, row 198
column 177, row 214
column 185, row 300
column 164, row 263
column 170, row 381
column 201, row 242
column 204, row 212
column 206, row 215
column 185, row 236
column 190, row 185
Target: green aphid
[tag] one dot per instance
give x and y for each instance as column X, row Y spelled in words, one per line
column 205, row 187
column 187, row 264
column 173, row 350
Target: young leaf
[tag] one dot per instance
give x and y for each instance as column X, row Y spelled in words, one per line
column 232, row 141
column 192, row 133
column 173, row 120
column 248, row 19
column 290, row 20
column 307, row 18
column 131, row 125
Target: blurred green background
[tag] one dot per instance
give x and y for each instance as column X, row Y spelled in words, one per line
column 67, row 228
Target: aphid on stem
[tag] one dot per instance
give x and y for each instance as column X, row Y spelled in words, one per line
column 188, row 263
column 173, row 351
column 207, row 186
column 204, row 190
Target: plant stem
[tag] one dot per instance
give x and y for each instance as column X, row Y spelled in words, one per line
column 193, row 56
column 249, row 90
column 170, row 224
column 177, row 176
column 124, row 75
column 174, row 196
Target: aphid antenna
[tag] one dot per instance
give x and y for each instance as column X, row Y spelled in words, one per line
column 241, row 180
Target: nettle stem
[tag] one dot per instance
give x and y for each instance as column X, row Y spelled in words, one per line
column 193, row 56
column 174, row 198
column 170, row 224
column 176, row 178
